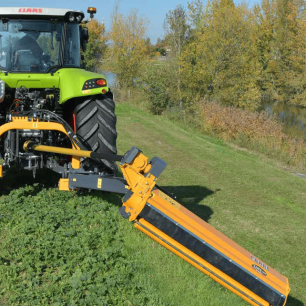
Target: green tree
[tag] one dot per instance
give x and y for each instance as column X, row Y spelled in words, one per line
column 264, row 27
column 196, row 14
column 220, row 62
column 176, row 29
column 177, row 32
column 127, row 51
column 158, row 83
column 281, row 48
column 290, row 31
column 96, row 46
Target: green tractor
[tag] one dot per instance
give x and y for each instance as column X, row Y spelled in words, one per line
column 42, row 76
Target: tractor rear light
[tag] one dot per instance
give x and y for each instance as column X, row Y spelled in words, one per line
column 2, row 91
column 103, row 91
column 101, row 82
column 94, row 84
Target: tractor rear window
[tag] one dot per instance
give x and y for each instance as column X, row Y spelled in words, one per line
column 30, row 45
column 72, row 46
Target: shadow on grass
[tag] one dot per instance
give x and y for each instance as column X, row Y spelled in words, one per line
column 294, row 302
column 14, row 179
column 111, row 197
column 190, row 197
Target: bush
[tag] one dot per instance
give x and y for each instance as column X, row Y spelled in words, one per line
column 157, row 83
column 256, row 131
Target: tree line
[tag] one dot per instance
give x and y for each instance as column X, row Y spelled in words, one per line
column 217, row 52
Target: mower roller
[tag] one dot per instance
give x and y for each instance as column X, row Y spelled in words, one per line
column 56, row 115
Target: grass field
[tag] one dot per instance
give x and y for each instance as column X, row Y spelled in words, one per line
column 258, row 205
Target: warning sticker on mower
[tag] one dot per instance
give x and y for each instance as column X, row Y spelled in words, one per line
column 99, row 183
column 170, row 200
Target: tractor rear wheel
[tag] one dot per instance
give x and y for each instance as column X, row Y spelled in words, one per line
column 95, row 122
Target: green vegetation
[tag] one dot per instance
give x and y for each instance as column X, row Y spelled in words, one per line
column 62, row 248
column 127, row 52
column 96, row 46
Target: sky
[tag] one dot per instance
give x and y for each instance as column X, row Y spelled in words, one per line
column 152, row 10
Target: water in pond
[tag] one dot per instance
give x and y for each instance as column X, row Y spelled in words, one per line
column 292, row 117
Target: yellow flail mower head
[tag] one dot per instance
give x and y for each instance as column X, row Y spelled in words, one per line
column 156, row 213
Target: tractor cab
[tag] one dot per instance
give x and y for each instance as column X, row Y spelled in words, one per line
column 40, row 40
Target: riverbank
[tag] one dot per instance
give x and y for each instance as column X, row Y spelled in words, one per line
column 293, row 118
column 253, row 131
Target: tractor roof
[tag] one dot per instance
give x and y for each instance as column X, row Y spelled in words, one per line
column 35, row 12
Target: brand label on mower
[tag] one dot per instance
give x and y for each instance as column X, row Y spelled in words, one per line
column 259, row 262
column 259, row 270
column 30, row 10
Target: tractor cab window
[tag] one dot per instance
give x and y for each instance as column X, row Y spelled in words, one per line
column 72, row 46
column 30, row 45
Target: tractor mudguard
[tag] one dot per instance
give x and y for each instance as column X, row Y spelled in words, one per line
column 72, row 83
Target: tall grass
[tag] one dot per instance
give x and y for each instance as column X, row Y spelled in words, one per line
column 256, row 131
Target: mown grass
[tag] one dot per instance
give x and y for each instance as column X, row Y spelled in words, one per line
column 257, row 205
column 244, row 195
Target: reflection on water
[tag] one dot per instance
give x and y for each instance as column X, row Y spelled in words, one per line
column 292, row 117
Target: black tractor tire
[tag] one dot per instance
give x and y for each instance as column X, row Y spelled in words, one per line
column 95, row 122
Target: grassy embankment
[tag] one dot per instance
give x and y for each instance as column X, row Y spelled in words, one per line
column 246, row 197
